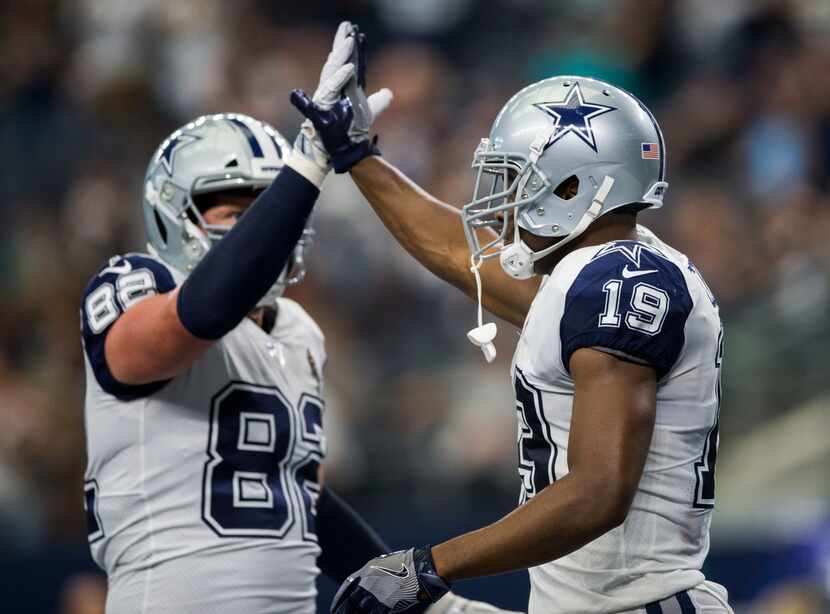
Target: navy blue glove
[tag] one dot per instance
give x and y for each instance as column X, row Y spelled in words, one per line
column 397, row 582
column 335, row 128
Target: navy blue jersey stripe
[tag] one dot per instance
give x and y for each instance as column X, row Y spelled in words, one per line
column 249, row 134
column 654, row 608
column 686, row 605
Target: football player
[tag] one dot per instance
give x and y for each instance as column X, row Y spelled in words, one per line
column 617, row 368
column 204, row 387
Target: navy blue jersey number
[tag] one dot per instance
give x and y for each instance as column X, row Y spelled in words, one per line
column 537, row 451
column 94, row 527
column 705, row 467
column 306, row 472
column 250, row 488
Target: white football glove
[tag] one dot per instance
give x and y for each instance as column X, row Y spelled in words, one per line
column 366, row 110
column 455, row 604
column 309, row 157
column 338, row 67
column 338, row 120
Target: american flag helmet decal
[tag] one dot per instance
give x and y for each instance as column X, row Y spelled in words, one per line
column 650, row 151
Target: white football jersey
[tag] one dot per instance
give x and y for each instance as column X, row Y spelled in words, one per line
column 200, row 490
column 644, row 302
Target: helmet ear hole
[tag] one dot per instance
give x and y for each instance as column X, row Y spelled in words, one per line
column 568, row 188
column 160, row 225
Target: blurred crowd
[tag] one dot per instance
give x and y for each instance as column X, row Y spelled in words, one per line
column 88, row 88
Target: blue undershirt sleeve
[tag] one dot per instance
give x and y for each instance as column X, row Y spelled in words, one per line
column 346, row 540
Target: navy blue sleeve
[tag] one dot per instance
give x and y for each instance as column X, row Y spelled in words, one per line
column 124, row 281
column 631, row 302
column 237, row 272
column 346, row 540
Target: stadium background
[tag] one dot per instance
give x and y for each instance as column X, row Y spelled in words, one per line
column 421, row 432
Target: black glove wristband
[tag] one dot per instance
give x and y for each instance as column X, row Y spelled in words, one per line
column 433, row 585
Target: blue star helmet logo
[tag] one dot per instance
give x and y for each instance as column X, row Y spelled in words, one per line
column 573, row 116
column 175, row 142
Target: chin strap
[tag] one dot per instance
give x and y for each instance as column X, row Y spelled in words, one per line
column 483, row 334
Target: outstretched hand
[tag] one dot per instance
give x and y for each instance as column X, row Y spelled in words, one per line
column 366, row 109
column 340, row 112
column 338, row 68
column 311, row 157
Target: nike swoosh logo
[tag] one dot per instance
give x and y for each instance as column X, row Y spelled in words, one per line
column 402, row 573
column 628, row 274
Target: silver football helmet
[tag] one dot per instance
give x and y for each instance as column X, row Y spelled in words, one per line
column 597, row 139
column 225, row 151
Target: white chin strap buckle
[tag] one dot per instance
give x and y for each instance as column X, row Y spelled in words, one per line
column 483, row 336
column 517, row 260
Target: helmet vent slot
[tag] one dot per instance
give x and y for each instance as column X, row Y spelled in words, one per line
column 568, row 188
column 232, row 163
column 161, row 228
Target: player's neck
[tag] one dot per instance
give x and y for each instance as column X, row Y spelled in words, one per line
column 612, row 227
column 604, row 230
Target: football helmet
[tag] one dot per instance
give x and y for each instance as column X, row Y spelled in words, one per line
column 212, row 153
column 563, row 132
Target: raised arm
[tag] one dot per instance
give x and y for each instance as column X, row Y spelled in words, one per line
column 431, row 231
column 140, row 329
column 427, row 228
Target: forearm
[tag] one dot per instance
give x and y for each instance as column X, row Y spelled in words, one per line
column 559, row 520
column 432, row 232
column 612, row 425
column 427, row 228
